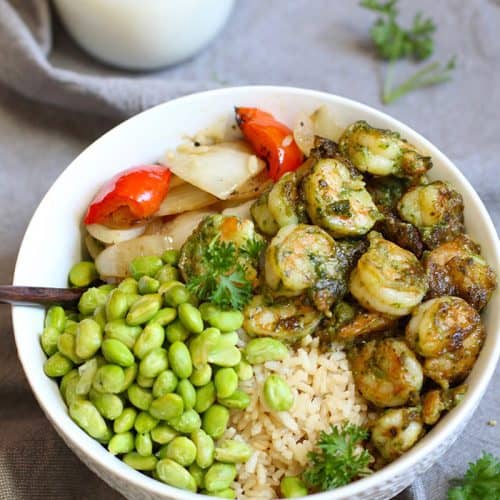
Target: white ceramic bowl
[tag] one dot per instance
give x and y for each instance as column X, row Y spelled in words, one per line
column 53, row 238
column 143, row 34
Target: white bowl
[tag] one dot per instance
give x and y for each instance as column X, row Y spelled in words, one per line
column 143, row 34
column 53, row 238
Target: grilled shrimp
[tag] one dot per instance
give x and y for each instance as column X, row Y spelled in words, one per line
column 364, row 323
column 388, row 279
column 336, row 199
column 456, row 268
column 287, row 319
column 436, row 401
column 396, row 431
column 282, row 200
column 436, row 209
column 262, row 216
column 448, row 333
column 382, row 152
column 386, row 372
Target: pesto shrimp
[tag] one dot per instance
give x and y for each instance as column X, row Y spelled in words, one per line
column 396, row 431
column 436, row 209
column 388, row 279
column 282, row 200
column 457, row 268
column 263, row 217
column 448, row 333
column 382, row 152
column 386, row 372
column 336, row 199
column 436, row 401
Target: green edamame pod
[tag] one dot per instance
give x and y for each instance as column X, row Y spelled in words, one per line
column 87, row 373
column 187, row 392
column 90, row 299
column 180, row 360
column 260, row 350
column 190, row 317
column 119, row 330
column 205, row 397
column 293, row 487
column 130, row 373
column 215, row 421
column 83, row 274
column 57, row 365
column 143, row 444
column 116, row 305
column 117, row 352
column 188, row 422
column 165, row 382
column 153, row 363
column 172, row 473
column 277, row 393
column 176, row 331
column 151, row 337
column 198, row 474
column 139, row 397
column 244, row 370
column 110, row 406
column 219, row 476
column 201, row 376
column 226, row 382
column 182, row 450
column 109, row 378
column 55, row 318
column 66, row 344
column 163, row 433
column 148, row 285
column 129, row 286
column 238, row 400
column 205, row 448
column 145, row 422
column 167, row 273
column 164, row 316
column 167, row 407
column 144, row 265
column 232, row 451
column 171, row 257
column 143, row 309
column 125, row 422
column 88, row 338
column 138, row 462
column 121, row 443
column 86, row 415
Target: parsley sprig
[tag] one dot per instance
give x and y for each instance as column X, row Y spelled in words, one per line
column 482, row 480
column 225, row 282
column 394, row 42
column 338, row 460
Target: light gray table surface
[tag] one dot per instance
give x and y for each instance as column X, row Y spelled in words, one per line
column 318, row 44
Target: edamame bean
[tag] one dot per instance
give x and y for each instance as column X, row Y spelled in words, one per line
column 163, row 434
column 205, row 397
column 99, row 317
column 165, row 382
column 145, row 422
column 125, row 422
column 244, row 370
column 238, row 400
column 232, row 451
column 146, row 382
column 176, row 295
column 71, row 326
column 230, row 338
column 293, row 487
column 57, row 365
column 154, row 363
column 188, row 422
column 144, row 265
column 151, row 337
column 205, row 448
column 190, row 317
column 225, row 493
column 198, row 474
column 130, row 373
column 66, row 344
column 182, row 450
column 200, row 346
column 129, row 286
column 225, row 321
column 167, row 407
column 71, row 377
column 167, row 273
column 107, row 288
column 90, row 299
column 215, row 421
column 180, row 360
column 139, row 397
column 83, row 274
column 164, row 316
column 187, row 392
column 119, row 330
column 226, row 382
column 143, row 444
column 138, row 462
column 176, row 331
column 55, row 318
column 86, row 415
column 116, row 305
column 260, row 350
column 143, row 309
column 201, row 376
column 223, row 353
column 220, row 476
column 110, row 406
column 109, row 378
column 87, row 373
column 277, row 394
column 117, row 352
column 148, row 285
column 88, row 338
column 171, row 257
column 121, row 443
column 172, row 473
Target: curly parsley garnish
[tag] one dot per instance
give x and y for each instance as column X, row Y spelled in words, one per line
column 338, row 460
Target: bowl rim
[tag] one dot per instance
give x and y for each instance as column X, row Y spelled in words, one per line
column 448, row 425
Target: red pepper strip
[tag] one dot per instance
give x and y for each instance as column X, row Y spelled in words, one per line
column 271, row 140
column 129, row 197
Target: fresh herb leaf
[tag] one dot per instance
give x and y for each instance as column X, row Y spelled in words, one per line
column 253, row 248
column 339, row 459
column 225, row 283
column 482, row 480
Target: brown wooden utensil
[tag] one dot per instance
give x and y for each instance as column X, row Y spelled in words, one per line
column 35, row 295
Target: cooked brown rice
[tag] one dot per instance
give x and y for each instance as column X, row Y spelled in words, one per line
column 324, row 395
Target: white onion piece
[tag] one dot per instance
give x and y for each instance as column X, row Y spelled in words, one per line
column 219, row 169
column 183, row 198
column 325, row 125
column 242, row 211
column 111, row 236
column 180, row 228
column 303, row 133
column 113, row 262
column 94, row 247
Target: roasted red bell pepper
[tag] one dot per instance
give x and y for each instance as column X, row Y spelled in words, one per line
column 129, row 197
column 271, row 140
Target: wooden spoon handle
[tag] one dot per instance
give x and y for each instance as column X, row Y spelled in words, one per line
column 39, row 295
